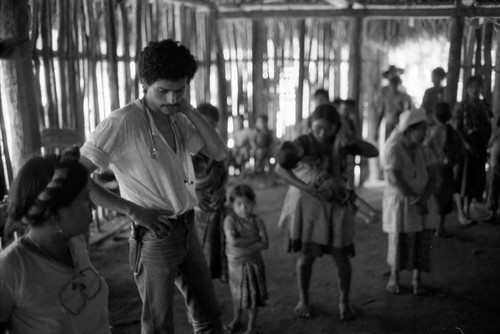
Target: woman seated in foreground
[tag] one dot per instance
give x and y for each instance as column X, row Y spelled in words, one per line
column 47, row 283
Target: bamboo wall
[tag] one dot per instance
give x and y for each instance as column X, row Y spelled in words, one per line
column 84, row 54
column 323, row 41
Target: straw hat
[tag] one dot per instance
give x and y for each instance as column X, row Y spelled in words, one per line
column 393, row 71
column 411, row 117
column 440, row 72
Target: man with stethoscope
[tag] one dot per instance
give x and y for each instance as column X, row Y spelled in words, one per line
column 148, row 145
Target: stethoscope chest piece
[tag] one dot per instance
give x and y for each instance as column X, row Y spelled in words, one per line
column 154, row 154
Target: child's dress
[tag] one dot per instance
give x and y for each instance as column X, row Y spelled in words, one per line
column 443, row 140
column 315, row 226
column 247, row 277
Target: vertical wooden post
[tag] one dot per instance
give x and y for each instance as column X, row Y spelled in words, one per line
column 258, row 100
column 221, row 78
column 468, row 48
column 18, row 81
column 337, row 56
column 456, row 34
column 111, row 56
column 487, row 67
column 478, row 65
column 5, row 148
column 300, row 87
column 355, row 62
column 496, row 93
column 138, row 44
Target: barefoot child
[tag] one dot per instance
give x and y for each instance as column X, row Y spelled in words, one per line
column 246, row 236
column 446, row 144
column 291, row 157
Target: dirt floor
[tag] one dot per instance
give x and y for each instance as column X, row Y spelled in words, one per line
column 464, row 285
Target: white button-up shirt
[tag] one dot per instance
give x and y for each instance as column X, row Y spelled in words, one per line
column 122, row 142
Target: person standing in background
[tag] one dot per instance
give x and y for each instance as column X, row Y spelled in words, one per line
column 211, row 179
column 434, row 95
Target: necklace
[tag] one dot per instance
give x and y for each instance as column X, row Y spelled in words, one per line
column 43, row 251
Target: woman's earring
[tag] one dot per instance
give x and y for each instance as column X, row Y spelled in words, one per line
column 58, row 229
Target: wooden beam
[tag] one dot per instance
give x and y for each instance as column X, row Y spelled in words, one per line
column 198, row 4
column 496, row 92
column 258, row 43
column 468, row 53
column 355, row 68
column 456, row 34
column 307, row 11
column 487, row 67
column 16, row 66
column 355, row 62
column 300, row 87
column 221, row 79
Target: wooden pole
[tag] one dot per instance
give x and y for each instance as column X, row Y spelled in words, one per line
column 300, row 87
column 487, row 67
column 478, row 62
column 18, row 81
column 138, row 43
column 5, row 148
column 250, row 12
column 355, row 59
column 337, row 62
column 221, row 77
column 496, row 93
column 258, row 42
column 456, row 34
column 468, row 48
column 111, row 56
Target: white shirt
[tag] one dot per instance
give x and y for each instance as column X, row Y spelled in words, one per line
column 123, row 143
column 40, row 296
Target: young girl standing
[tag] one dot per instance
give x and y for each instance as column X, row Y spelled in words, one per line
column 246, row 236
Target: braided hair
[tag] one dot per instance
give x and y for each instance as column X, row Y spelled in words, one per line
column 44, row 185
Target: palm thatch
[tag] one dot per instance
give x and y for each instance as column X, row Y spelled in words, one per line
column 394, row 32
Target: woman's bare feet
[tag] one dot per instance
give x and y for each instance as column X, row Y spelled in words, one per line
column 346, row 312
column 418, row 288
column 233, row 326
column 302, row 310
column 252, row 330
column 392, row 286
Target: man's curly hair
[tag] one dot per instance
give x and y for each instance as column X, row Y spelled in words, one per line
column 166, row 60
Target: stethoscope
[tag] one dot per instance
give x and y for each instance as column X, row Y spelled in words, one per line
column 153, row 151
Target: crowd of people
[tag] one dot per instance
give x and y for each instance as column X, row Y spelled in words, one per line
column 171, row 167
column 252, row 146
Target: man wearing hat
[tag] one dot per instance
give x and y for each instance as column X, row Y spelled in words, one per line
column 435, row 94
column 393, row 101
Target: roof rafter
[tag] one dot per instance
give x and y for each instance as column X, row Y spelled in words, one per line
column 305, row 11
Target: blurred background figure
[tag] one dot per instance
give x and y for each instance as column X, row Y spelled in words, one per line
column 240, row 154
column 434, row 95
column 211, row 178
column 262, row 144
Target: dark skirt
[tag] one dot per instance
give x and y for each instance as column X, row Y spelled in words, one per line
column 445, row 189
column 473, row 176
column 410, row 250
column 210, row 231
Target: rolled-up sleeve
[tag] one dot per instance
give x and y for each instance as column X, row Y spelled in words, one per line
column 193, row 141
column 103, row 145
